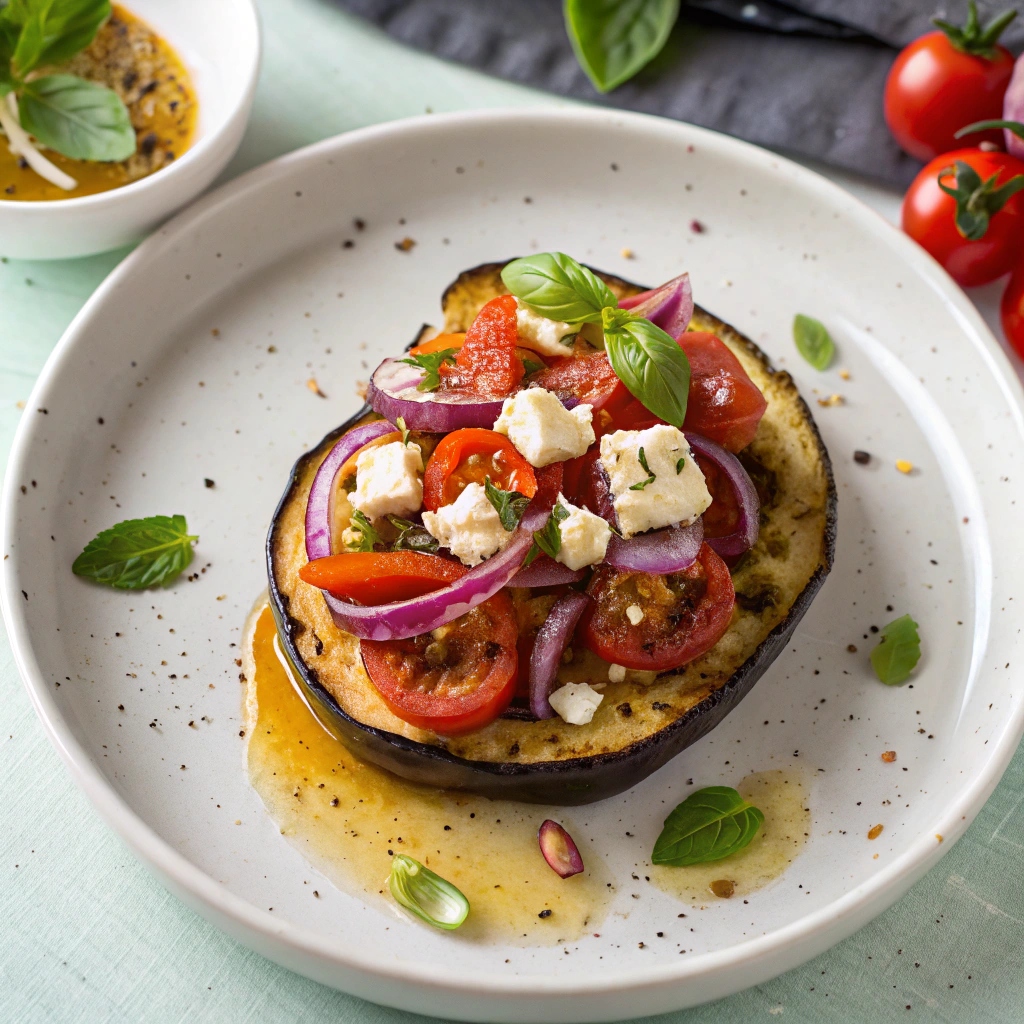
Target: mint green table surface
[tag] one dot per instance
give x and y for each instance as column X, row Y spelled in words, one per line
column 86, row 935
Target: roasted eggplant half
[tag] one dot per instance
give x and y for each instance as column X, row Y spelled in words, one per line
column 645, row 720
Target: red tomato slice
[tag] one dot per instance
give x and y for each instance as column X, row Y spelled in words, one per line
column 452, row 680
column 487, row 363
column 685, row 614
column 722, row 516
column 470, row 456
column 380, row 577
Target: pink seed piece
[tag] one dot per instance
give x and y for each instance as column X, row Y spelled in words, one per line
column 559, row 850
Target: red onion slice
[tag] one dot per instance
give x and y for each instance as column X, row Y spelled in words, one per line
column 1013, row 108
column 392, row 393
column 661, row 551
column 669, row 307
column 744, row 536
column 545, row 572
column 552, row 639
column 319, row 506
column 559, row 850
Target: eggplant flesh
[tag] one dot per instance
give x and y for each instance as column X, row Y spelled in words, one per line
column 643, row 721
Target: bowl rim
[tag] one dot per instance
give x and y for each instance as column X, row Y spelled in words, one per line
column 764, row 956
column 194, row 154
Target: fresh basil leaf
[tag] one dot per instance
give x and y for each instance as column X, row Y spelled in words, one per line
column 898, row 652
column 652, row 366
column 510, row 505
column 430, row 363
column 708, row 825
column 412, row 537
column 614, row 39
column 368, row 537
column 549, row 537
column 137, row 553
column 813, row 342
column 80, row 119
column 555, row 286
column 642, row 459
column 69, row 27
column 30, row 44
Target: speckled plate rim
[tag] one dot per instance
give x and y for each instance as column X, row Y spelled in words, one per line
column 536, row 996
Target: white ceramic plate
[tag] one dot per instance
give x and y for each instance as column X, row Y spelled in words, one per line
column 165, row 378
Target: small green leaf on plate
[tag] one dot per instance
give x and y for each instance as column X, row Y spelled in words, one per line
column 138, row 553
column 813, row 342
column 426, row 894
column 708, row 825
column 898, row 652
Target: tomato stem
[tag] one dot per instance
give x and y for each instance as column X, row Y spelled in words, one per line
column 977, row 201
column 983, row 126
column 974, row 38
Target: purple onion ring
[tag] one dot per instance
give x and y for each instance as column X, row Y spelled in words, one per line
column 552, row 639
column 320, row 504
column 661, row 551
column 669, row 307
column 545, row 572
column 744, row 536
column 559, row 850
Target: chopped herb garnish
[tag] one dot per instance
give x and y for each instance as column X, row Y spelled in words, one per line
column 549, row 537
column 642, row 459
column 368, row 537
column 531, row 366
column 400, row 423
column 430, row 363
column 510, row 505
column 680, row 464
column 708, row 825
column 412, row 537
column 138, row 553
column 898, row 652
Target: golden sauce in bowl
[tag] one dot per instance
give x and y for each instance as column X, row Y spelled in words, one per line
column 130, row 58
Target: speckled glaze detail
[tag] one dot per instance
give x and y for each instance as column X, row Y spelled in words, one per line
column 560, row 780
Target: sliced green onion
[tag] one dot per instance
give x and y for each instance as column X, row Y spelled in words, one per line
column 426, row 894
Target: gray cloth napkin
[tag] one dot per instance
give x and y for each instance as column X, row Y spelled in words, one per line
column 803, row 76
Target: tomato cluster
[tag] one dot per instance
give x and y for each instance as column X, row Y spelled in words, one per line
column 966, row 207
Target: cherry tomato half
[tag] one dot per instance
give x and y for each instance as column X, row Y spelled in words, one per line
column 487, row 363
column 1012, row 311
column 685, row 614
column 469, row 456
column 380, row 577
column 934, row 89
column 456, row 678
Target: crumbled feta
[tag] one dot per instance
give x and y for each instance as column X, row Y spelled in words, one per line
column 542, row 429
column 616, row 673
column 549, row 337
column 576, row 703
column 677, row 494
column 389, row 480
column 469, row 527
column 584, row 536
column 635, row 614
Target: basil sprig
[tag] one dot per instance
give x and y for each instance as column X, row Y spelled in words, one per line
column 614, row 39
column 708, row 825
column 138, row 553
column 645, row 358
column 898, row 652
column 80, row 119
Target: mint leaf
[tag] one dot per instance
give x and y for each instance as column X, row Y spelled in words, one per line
column 138, row 553
column 80, row 119
column 614, row 39
column 430, row 363
column 555, row 286
column 813, row 341
column 549, row 537
column 642, row 459
column 652, row 366
column 368, row 536
column 708, row 825
column 898, row 652
column 510, row 505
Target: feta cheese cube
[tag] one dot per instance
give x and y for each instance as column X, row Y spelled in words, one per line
column 677, row 494
column 549, row 337
column 389, row 480
column 616, row 673
column 576, row 703
column 584, row 536
column 469, row 527
column 635, row 614
column 542, row 429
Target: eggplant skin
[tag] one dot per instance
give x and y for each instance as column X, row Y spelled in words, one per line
column 643, row 722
